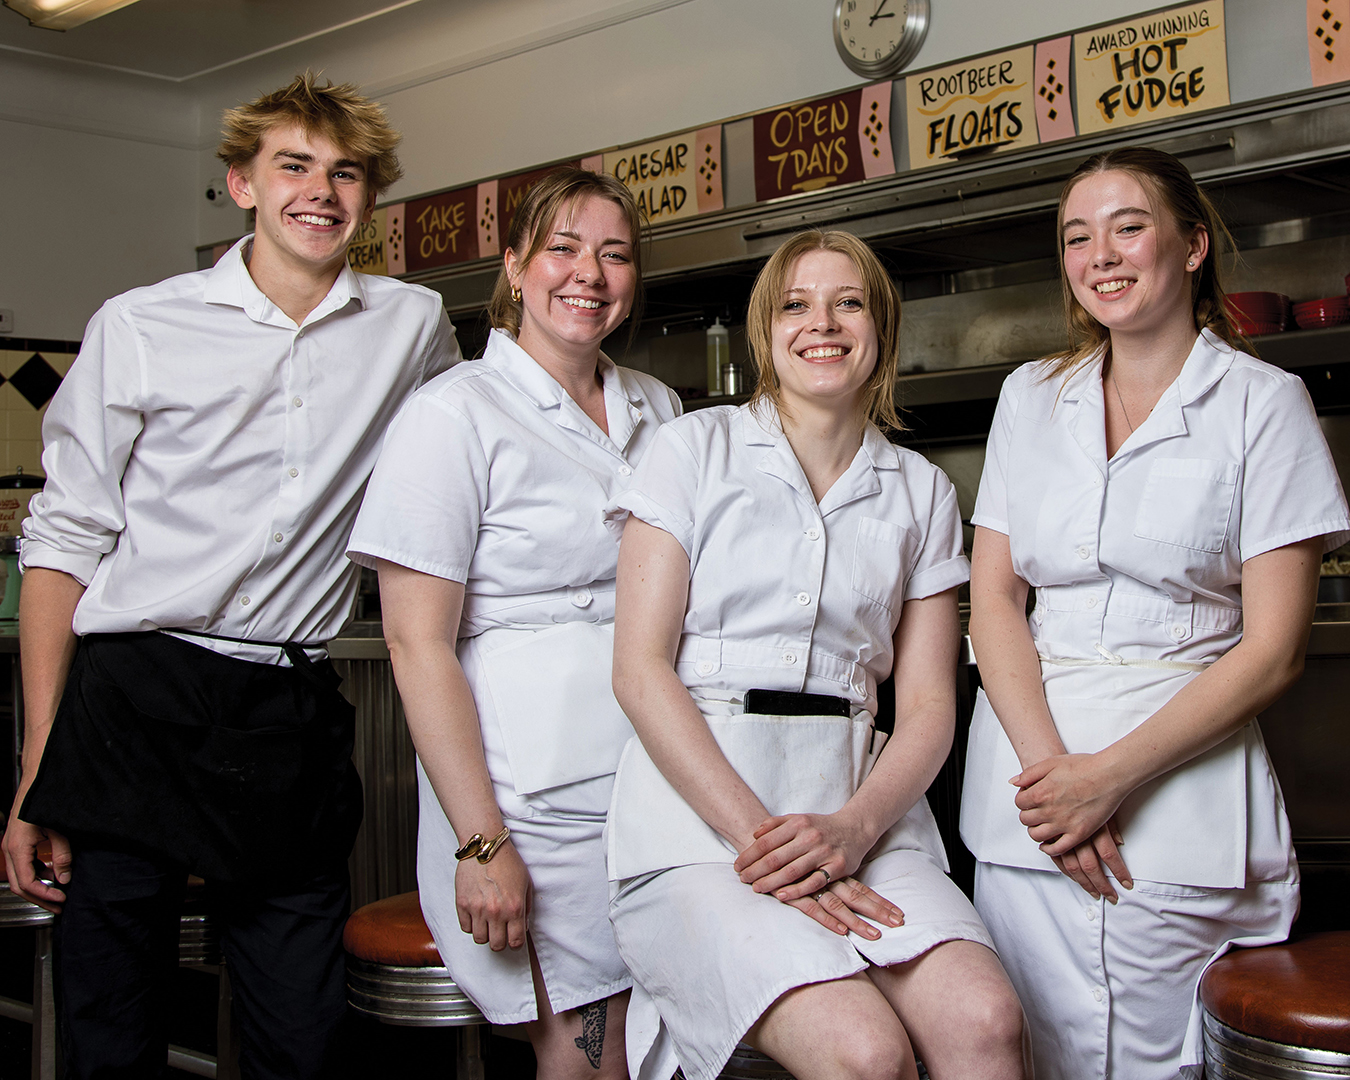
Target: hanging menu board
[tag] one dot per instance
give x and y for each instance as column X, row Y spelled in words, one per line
column 822, row 143
column 675, row 178
column 366, row 252
column 441, row 229
column 1152, row 67
column 972, row 108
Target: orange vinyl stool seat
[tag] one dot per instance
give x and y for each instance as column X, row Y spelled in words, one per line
column 395, row 975
column 1279, row 1010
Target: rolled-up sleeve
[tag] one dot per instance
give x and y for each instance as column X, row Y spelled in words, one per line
column 89, row 430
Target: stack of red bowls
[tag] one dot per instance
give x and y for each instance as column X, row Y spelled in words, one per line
column 1259, row 312
column 1329, row 311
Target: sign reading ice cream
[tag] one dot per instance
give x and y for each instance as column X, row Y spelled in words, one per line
column 1151, row 67
column 972, row 108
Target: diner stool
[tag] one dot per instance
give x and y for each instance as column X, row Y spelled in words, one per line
column 17, row 912
column 199, row 946
column 395, row 975
column 1279, row 1011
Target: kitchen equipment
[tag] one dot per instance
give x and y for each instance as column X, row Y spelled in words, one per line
column 1259, row 312
column 719, row 355
column 733, row 379
column 15, row 492
column 9, row 577
column 1328, row 311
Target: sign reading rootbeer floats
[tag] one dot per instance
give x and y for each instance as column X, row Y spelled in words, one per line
column 974, row 107
column 1151, row 67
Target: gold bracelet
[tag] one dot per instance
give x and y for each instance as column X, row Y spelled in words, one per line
column 482, row 850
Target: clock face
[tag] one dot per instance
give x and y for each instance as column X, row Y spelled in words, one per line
column 879, row 37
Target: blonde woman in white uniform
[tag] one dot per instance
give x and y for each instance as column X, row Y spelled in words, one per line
column 780, row 559
column 485, row 520
column 1169, row 498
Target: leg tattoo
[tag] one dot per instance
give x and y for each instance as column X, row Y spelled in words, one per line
column 592, row 1038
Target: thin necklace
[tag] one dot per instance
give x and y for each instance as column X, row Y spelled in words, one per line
column 1124, row 410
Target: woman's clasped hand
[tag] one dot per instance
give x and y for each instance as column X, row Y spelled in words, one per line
column 780, row 861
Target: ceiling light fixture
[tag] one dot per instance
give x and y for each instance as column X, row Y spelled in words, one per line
column 63, row 14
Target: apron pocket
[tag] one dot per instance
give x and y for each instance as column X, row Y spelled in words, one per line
column 555, row 703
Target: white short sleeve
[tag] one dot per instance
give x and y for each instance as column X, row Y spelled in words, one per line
column 991, row 504
column 1290, row 489
column 426, row 497
column 941, row 563
column 663, row 489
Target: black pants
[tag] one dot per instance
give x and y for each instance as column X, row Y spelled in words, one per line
column 116, row 948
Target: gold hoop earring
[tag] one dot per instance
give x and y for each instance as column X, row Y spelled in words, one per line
column 515, row 295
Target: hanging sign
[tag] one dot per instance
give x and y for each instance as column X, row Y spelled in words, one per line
column 818, row 144
column 366, row 254
column 1328, row 46
column 1054, row 113
column 441, row 229
column 1151, row 67
column 674, row 178
column 972, row 108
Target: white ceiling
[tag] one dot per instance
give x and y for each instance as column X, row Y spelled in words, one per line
column 177, row 40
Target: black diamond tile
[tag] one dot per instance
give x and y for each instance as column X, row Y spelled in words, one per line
column 36, row 380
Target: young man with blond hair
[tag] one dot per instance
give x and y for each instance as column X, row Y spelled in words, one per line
column 205, row 458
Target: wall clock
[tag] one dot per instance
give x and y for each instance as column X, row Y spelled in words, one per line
column 877, row 38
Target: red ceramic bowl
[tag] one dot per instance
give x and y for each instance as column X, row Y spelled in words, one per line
column 1328, row 311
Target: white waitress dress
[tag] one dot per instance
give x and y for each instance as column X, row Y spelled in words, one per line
column 784, row 594
column 1136, row 564
column 493, row 476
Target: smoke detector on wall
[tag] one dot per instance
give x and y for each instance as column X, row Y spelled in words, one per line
column 217, row 194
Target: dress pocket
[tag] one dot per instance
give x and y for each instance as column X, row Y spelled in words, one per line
column 877, row 557
column 1188, row 502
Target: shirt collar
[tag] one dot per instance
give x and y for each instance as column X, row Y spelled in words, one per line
column 761, row 426
column 1209, row 359
column 529, row 377
column 230, row 283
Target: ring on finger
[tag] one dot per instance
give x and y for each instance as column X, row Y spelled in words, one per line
column 822, row 870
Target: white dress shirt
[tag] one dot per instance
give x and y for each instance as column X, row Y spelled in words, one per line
column 785, row 593
column 206, row 457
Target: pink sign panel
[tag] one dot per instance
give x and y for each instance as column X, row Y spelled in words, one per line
column 1054, row 116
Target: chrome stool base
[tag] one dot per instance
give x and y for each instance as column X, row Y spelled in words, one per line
column 17, row 912
column 1234, row 1055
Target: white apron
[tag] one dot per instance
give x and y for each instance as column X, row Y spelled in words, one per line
column 1207, row 843
column 552, row 735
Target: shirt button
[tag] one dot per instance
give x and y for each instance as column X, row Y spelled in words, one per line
column 1083, row 553
column 813, row 534
column 1091, row 914
column 1178, row 631
column 581, row 597
column 803, row 599
column 296, row 402
column 789, row 658
column 244, row 600
column 278, row 537
column 705, row 668
column 1097, row 993
column 625, row 470
column 295, row 472
column 1091, row 601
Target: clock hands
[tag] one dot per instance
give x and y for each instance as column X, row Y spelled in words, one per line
column 878, row 15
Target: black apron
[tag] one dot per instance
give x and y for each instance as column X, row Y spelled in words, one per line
column 239, row 772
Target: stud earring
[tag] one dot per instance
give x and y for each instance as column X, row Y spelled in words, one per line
column 515, row 294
